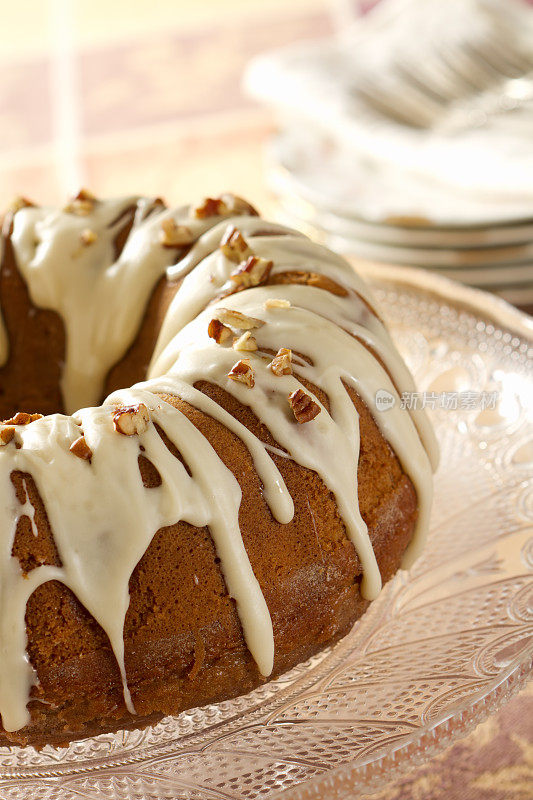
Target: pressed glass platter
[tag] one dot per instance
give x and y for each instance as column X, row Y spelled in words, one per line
column 444, row 644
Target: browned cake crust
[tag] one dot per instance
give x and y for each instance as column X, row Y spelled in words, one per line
column 29, row 380
column 184, row 645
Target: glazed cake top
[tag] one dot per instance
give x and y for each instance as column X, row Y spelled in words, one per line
column 263, row 313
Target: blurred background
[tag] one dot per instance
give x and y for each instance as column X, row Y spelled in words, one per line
column 138, row 97
column 398, row 131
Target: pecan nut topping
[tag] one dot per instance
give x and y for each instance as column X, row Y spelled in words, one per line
column 22, row 418
column 222, row 206
column 6, row 435
column 81, row 449
column 234, row 245
column 174, row 235
column 131, row 420
column 303, row 407
column 88, row 237
column 81, row 205
column 276, row 302
column 219, row 332
column 243, row 373
column 281, row 364
column 18, row 203
column 252, row 272
column 237, row 320
column 245, row 342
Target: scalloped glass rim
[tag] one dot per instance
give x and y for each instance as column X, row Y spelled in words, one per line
column 383, row 712
column 378, row 770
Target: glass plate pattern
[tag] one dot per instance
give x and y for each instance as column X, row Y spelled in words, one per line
column 442, row 646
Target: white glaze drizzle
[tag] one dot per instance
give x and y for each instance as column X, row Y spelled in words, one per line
column 106, row 521
column 192, row 355
column 103, row 525
column 100, row 298
column 205, row 271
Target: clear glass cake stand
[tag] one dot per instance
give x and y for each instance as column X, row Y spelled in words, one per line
column 442, row 647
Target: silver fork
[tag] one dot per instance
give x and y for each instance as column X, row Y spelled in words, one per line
column 420, row 98
column 509, row 109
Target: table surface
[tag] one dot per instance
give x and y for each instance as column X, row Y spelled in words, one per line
column 89, row 90
column 93, row 95
column 495, row 762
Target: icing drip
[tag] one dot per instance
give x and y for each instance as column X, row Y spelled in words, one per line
column 27, row 510
column 331, row 445
column 100, row 296
column 105, row 523
column 206, row 271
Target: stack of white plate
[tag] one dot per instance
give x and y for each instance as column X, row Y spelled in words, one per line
column 453, row 191
column 491, row 253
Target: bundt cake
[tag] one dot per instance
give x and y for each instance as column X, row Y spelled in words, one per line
column 218, row 523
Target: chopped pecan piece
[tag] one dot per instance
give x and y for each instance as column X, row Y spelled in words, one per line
column 237, row 320
column 245, row 342
column 20, row 202
column 242, row 371
column 86, row 195
column 6, row 434
column 88, row 237
column 217, row 331
column 81, row 449
column 251, row 272
column 174, row 235
column 281, row 364
column 222, row 206
column 277, row 302
column 130, row 420
column 314, row 279
column 22, row 418
column 237, row 205
column 210, row 207
column 303, row 408
column 82, row 204
column 234, row 245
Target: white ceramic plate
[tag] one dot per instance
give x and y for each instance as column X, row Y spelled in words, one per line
column 513, row 278
column 302, row 163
